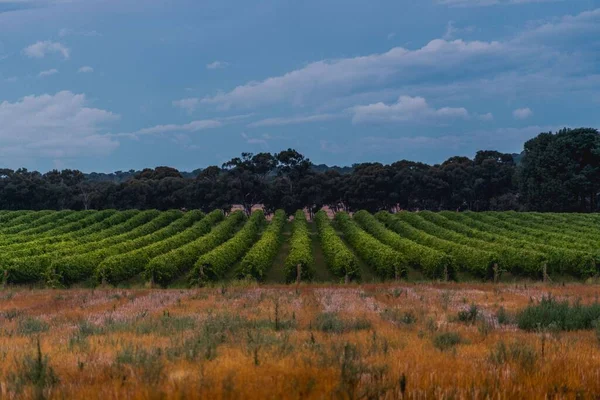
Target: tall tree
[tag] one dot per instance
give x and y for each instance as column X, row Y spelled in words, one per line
column 561, row 172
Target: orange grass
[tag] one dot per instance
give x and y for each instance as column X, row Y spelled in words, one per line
column 223, row 343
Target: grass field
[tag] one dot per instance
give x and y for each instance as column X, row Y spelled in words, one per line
column 389, row 341
column 148, row 304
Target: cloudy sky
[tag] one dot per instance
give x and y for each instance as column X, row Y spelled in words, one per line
column 104, row 85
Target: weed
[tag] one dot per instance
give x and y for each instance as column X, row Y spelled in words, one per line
column 7, row 296
column 447, row 340
column 149, row 363
column 331, row 323
column 517, row 352
column 277, row 314
column 354, row 372
column 396, row 316
column 29, row 326
column 469, row 316
column 431, row 325
column 484, row 327
column 35, row 371
column 445, row 299
column 503, row 317
column 564, row 316
column 12, row 314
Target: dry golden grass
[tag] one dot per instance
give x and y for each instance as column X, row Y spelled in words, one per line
column 280, row 342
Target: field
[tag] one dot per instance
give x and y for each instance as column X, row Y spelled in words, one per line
column 149, row 304
column 181, row 249
column 398, row 340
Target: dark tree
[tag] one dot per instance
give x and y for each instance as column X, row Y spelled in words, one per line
column 561, row 172
column 555, row 172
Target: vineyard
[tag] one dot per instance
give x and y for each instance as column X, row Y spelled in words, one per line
column 175, row 248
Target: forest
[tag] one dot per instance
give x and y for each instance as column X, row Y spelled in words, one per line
column 557, row 172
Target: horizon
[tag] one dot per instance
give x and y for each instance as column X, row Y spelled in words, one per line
column 188, row 171
column 103, row 86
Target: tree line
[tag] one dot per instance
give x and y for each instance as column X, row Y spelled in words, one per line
column 557, row 172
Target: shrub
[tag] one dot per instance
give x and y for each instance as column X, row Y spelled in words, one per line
column 475, row 260
column 123, row 266
column 164, row 268
column 300, row 250
column 331, row 323
column 387, row 262
column 433, row 263
column 511, row 256
column 148, row 363
column 340, row 260
column 447, row 340
column 29, row 326
column 523, row 250
column 35, row 371
column 81, row 266
column 520, row 353
column 260, row 257
column 23, row 220
column 470, row 315
column 398, row 317
column 502, row 316
column 214, row 264
column 550, row 313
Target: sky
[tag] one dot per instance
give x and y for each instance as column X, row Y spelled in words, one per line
column 107, row 85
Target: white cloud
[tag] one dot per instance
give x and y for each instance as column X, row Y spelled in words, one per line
column 41, row 49
column 522, row 113
column 292, row 120
column 189, row 104
column 405, row 109
column 486, row 117
column 344, row 75
column 47, row 73
column 193, row 126
column 217, row 65
column 55, row 126
column 391, row 35
column 586, row 23
column 534, row 52
column 452, row 31
column 85, row 70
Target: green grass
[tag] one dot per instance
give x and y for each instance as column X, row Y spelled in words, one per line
column 367, row 274
column 552, row 314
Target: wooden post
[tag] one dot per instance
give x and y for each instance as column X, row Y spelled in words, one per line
column 151, row 282
column 298, row 273
column 446, row 277
column 496, row 273
column 545, row 272
column 347, row 279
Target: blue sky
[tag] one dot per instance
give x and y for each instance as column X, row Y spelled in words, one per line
column 120, row 84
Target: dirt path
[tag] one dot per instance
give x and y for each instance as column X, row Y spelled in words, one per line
column 276, row 274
